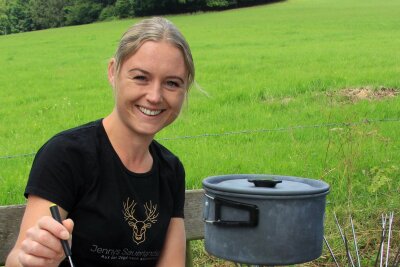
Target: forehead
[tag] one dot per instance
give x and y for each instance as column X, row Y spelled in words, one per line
column 156, row 56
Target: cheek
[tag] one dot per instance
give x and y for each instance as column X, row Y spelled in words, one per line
column 179, row 100
column 177, row 108
column 118, row 98
column 121, row 94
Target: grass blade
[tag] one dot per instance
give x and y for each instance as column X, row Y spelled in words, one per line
column 396, row 261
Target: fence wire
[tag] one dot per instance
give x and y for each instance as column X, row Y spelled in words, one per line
column 255, row 131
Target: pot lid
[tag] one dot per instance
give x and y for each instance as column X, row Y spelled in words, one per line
column 262, row 184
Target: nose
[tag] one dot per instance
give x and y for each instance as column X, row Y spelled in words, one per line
column 154, row 94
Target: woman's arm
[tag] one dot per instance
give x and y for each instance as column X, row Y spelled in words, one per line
column 38, row 242
column 174, row 250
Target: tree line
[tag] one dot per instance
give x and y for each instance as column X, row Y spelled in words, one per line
column 29, row 15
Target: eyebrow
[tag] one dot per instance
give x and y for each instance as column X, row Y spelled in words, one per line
column 148, row 73
column 138, row 69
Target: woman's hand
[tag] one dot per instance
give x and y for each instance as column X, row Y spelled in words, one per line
column 38, row 243
column 42, row 246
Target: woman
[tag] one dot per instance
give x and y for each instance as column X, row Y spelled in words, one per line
column 120, row 193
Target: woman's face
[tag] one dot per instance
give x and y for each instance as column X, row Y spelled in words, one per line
column 150, row 87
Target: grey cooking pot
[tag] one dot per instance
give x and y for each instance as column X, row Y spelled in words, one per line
column 264, row 219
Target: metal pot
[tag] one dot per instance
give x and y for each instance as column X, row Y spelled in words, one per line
column 264, row 219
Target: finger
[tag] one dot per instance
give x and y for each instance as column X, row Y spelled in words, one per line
column 40, row 242
column 55, row 228
column 69, row 224
column 33, row 261
column 38, row 250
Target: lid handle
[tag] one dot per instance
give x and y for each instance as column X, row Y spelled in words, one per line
column 264, row 182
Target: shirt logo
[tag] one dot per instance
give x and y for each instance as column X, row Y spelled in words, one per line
column 139, row 227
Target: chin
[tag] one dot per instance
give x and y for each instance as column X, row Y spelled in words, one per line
column 148, row 131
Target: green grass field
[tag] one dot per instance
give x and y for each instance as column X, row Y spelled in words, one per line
column 267, row 70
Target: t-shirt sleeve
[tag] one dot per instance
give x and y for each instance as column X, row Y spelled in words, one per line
column 55, row 172
column 179, row 196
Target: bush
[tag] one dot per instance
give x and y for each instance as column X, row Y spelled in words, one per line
column 82, row 13
column 125, row 8
column 220, row 4
column 4, row 25
column 18, row 16
column 47, row 13
column 108, row 13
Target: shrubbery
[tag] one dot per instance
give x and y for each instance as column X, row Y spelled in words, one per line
column 82, row 12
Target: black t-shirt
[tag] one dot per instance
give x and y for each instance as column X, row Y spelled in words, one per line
column 120, row 217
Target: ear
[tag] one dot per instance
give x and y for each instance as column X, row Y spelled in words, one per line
column 112, row 72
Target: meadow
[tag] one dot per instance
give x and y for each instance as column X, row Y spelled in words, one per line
column 305, row 88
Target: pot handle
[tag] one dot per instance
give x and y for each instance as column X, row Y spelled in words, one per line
column 219, row 202
column 264, row 182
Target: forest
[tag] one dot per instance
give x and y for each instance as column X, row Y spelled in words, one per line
column 30, row 15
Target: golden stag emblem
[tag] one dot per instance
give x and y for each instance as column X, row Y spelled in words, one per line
column 139, row 227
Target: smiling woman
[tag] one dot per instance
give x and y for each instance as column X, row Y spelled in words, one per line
column 148, row 93
column 111, row 174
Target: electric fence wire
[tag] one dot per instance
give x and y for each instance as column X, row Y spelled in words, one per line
column 256, row 131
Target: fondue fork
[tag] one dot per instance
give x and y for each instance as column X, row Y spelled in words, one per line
column 383, row 236
column 355, row 241
column 331, row 251
column 344, row 241
column 389, row 235
column 55, row 213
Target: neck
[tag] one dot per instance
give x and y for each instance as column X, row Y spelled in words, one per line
column 132, row 149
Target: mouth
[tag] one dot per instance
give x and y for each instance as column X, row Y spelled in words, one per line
column 150, row 112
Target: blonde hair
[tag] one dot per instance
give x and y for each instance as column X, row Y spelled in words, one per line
column 154, row 29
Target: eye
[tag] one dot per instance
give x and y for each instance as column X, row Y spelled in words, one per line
column 173, row 84
column 140, row 78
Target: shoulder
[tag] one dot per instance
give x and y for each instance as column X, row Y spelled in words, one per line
column 80, row 139
column 60, row 169
column 162, row 152
column 79, row 133
column 165, row 156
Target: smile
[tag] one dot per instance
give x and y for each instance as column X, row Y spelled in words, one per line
column 150, row 112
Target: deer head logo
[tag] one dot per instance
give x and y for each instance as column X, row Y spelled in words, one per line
column 139, row 227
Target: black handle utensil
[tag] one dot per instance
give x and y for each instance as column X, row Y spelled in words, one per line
column 55, row 213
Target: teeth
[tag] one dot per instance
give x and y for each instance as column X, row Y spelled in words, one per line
column 150, row 112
